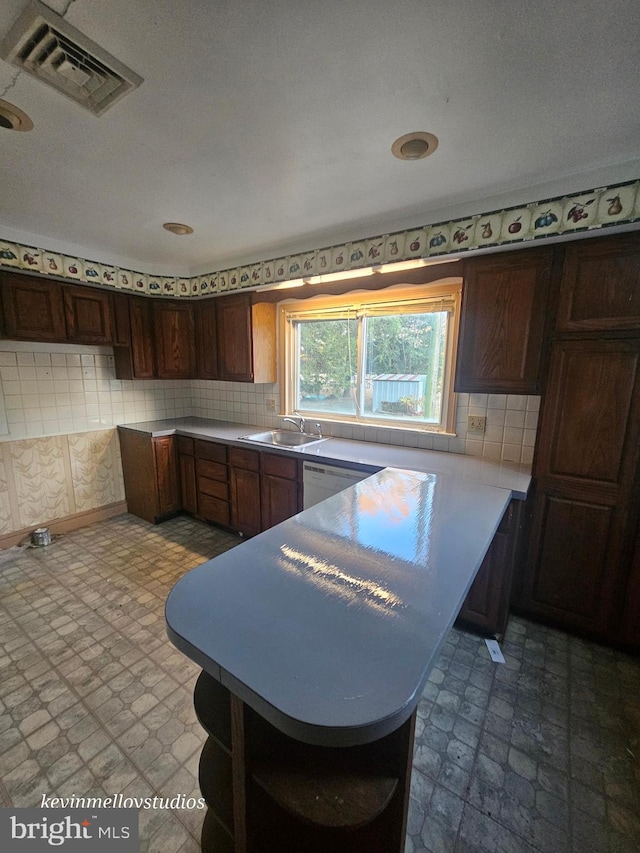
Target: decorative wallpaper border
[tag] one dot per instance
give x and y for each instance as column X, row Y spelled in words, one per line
column 578, row 212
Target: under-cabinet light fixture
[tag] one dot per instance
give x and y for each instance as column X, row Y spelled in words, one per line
column 338, row 276
column 412, row 264
column 283, row 285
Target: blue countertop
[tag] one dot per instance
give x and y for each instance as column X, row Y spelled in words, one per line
column 329, row 623
column 469, row 469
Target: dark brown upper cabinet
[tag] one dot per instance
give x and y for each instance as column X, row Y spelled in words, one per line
column 246, row 336
column 89, row 315
column 503, row 320
column 121, row 321
column 206, row 340
column 600, row 287
column 174, row 340
column 142, row 350
column 33, row 309
column 134, row 354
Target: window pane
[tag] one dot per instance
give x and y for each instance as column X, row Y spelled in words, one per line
column 405, row 355
column 327, row 366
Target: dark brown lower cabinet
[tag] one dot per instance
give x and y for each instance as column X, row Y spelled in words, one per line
column 187, row 474
column 150, row 475
column 486, row 607
column 280, row 491
column 269, row 793
column 584, row 514
column 212, row 482
column 244, row 488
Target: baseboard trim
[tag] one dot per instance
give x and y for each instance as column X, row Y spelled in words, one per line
column 66, row 524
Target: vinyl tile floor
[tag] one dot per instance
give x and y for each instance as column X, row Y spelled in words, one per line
column 541, row 753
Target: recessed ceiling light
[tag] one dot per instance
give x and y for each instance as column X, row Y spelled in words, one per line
column 414, row 146
column 178, row 228
column 11, row 118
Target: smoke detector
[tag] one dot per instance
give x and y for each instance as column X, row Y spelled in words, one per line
column 12, row 118
column 414, row 146
column 44, row 45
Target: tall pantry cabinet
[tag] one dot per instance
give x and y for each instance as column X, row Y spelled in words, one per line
column 583, row 564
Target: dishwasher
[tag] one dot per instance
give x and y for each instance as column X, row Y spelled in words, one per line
column 320, row 481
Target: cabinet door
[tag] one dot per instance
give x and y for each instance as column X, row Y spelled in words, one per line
column 142, row 355
column 88, row 314
column 600, row 287
column 121, row 320
column 245, row 501
column 139, row 472
column 167, row 475
column 174, row 340
column 588, row 450
column 206, row 340
column 280, row 499
column 503, row 318
column 188, row 490
column 33, row 309
column 234, row 334
column 486, row 606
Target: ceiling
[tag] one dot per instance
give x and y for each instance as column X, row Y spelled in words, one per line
column 267, row 126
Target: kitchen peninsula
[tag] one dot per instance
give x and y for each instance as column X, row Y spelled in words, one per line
column 316, row 639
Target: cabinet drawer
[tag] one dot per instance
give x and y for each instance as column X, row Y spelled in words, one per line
column 247, row 459
column 210, row 450
column 212, row 470
column 213, row 509
column 213, row 488
column 185, row 445
column 280, row 466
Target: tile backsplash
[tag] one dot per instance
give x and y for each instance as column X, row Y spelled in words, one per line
column 59, row 389
column 55, row 389
column 509, row 435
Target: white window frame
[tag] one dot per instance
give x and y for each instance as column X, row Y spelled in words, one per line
column 402, row 299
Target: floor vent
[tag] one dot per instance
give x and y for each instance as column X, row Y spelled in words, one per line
column 45, row 45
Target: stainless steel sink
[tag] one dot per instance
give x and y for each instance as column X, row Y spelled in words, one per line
column 283, row 438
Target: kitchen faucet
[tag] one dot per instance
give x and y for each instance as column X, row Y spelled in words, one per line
column 299, row 424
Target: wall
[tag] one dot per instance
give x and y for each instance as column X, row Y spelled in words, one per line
column 44, row 479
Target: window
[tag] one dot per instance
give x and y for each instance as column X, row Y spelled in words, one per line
column 380, row 358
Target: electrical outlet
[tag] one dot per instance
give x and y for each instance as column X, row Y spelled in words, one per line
column 476, row 423
column 271, row 404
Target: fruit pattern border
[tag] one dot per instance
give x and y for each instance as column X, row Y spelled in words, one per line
column 589, row 210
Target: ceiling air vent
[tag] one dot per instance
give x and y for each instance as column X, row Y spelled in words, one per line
column 46, row 46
